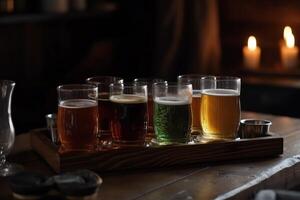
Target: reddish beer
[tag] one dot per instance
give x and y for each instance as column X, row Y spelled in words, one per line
column 77, row 124
column 104, row 107
column 150, row 114
column 105, row 115
column 149, row 82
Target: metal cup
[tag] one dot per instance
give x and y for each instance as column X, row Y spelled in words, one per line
column 52, row 127
column 251, row 128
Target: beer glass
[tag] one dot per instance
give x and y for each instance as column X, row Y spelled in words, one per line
column 220, row 107
column 104, row 107
column 195, row 80
column 129, row 122
column 172, row 112
column 149, row 82
column 77, row 119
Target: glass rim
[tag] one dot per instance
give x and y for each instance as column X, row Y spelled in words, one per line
column 222, row 78
column 76, row 87
column 8, row 81
column 191, row 76
column 127, row 85
column 148, row 80
column 172, row 84
column 93, row 79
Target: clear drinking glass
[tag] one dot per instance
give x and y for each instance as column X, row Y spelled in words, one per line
column 172, row 112
column 220, row 107
column 129, row 102
column 195, row 80
column 7, row 131
column 77, row 118
column 104, row 107
column 149, row 82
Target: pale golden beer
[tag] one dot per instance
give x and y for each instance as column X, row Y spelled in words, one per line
column 220, row 113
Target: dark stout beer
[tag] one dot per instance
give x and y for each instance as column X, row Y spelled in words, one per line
column 129, row 124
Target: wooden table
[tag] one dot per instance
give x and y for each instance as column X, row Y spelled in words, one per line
column 237, row 180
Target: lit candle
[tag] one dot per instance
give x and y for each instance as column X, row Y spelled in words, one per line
column 288, row 50
column 286, row 32
column 251, row 54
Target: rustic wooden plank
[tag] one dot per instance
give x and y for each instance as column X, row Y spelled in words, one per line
column 22, row 143
column 40, row 142
column 155, row 157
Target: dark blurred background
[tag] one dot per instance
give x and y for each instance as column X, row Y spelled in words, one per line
column 44, row 43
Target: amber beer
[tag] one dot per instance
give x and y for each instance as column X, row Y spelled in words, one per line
column 129, row 124
column 77, row 124
column 220, row 113
column 195, row 80
column 196, row 106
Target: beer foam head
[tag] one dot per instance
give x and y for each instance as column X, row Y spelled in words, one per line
column 128, row 99
column 220, row 92
column 78, row 103
column 172, row 100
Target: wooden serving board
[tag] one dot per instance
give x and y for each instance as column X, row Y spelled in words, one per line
column 154, row 157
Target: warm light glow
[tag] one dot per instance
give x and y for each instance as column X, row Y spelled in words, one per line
column 286, row 32
column 251, row 43
column 10, row 5
column 289, row 37
column 290, row 41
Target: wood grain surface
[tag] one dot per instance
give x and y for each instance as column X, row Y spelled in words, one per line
column 195, row 181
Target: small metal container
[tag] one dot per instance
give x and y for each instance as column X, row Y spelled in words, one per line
column 251, row 128
column 52, row 127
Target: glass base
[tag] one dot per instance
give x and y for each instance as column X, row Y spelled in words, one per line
column 104, row 140
column 219, row 138
column 169, row 142
column 203, row 139
column 196, row 131
column 129, row 143
column 149, row 137
column 104, row 144
column 9, row 169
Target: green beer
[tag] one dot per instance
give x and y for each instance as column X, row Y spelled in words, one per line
column 172, row 119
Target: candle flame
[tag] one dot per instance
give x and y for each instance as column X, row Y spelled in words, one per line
column 251, row 43
column 286, row 32
column 290, row 41
column 289, row 37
